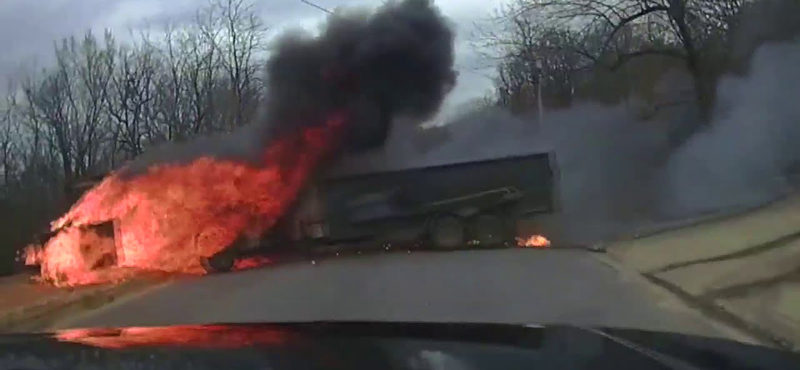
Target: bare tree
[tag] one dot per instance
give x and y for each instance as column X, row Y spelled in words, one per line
column 9, row 145
column 603, row 24
column 171, row 88
column 48, row 114
column 88, row 100
column 203, row 78
column 533, row 54
column 612, row 33
column 131, row 94
column 237, row 33
column 70, row 102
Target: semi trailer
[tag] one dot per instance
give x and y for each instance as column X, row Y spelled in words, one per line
column 476, row 204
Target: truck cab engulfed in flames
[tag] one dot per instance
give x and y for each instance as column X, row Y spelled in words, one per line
column 450, row 206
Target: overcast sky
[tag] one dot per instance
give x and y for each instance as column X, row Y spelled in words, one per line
column 29, row 27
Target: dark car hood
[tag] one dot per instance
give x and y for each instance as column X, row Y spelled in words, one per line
column 354, row 345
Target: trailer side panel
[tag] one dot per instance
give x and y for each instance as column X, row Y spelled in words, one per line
column 348, row 201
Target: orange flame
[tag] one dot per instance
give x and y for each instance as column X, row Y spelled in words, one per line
column 533, row 241
column 170, row 216
column 251, row 262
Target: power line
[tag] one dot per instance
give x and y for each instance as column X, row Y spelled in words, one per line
column 316, row 6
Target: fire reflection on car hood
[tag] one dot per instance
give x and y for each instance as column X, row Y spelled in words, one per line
column 340, row 345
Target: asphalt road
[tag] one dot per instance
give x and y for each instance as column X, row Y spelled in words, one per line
column 507, row 286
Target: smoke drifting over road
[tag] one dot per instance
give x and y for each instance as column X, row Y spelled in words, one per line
column 751, row 145
column 624, row 177
column 374, row 65
column 618, row 171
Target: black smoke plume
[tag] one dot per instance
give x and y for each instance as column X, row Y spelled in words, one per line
column 371, row 65
column 395, row 61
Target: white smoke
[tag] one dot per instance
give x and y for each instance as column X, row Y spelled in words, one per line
column 618, row 172
column 751, row 142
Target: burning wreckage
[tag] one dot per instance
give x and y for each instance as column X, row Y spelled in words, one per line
column 199, row 207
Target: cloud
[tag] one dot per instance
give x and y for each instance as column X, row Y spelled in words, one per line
column 29, row 28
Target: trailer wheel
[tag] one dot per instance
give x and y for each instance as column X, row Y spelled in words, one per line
column 447, row 232
column 220, row 262
column 490, row 230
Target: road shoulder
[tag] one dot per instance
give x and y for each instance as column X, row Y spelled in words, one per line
column 36, row 307
column 742, row 271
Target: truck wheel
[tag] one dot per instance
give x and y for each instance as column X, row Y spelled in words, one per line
column 220, row 262
column 490, row 230
column 447, row 232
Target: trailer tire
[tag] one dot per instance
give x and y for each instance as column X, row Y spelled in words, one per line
column 490, row 230
column 447, row 232
column 220, row 262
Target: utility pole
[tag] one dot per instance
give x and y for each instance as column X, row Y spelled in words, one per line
column 539, row 92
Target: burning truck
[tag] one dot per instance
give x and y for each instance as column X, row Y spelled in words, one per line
column 476, row 204
column 188, row 208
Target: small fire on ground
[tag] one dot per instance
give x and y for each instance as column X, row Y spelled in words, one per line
column 533, row 241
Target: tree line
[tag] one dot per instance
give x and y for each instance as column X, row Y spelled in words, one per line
column 102, row 102
column 607, row 50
